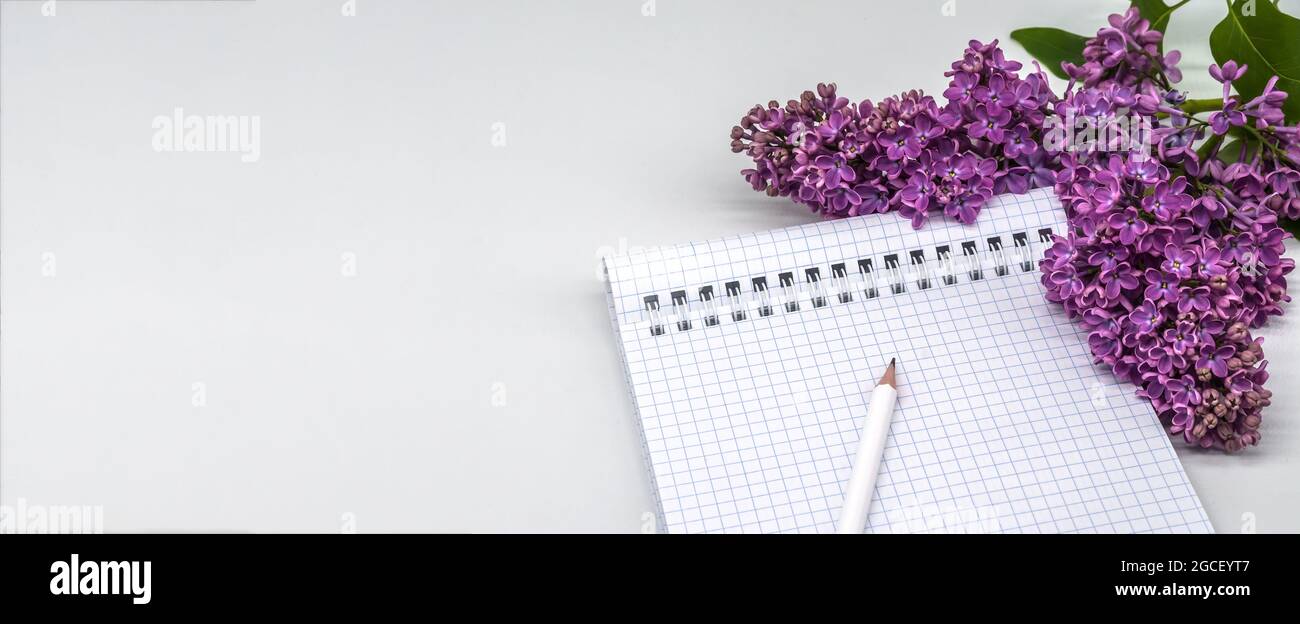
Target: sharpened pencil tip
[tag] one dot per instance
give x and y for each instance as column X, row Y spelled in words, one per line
column 888, row 377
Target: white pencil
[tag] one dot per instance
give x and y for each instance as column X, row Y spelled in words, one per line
column 866, row 464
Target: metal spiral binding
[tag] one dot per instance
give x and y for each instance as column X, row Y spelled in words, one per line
column 896, row 274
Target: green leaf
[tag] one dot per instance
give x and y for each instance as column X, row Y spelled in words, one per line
column 1258, row 34
column 1051, row 46
column 1157, row 12
column 1291, row 226
column 1204, row 150
column 1231, row 151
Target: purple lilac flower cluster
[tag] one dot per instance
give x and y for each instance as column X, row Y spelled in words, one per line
column 1173, row 257
column 1173, row 254
column 1127, row 54
column 907, row 153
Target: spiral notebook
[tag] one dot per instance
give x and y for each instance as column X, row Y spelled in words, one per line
column 750, row 359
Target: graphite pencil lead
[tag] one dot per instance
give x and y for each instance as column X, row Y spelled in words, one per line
column 888, row 377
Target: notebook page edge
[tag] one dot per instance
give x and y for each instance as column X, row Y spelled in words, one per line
column 608, row 271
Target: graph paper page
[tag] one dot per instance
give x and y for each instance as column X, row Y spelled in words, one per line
column 1003, row 423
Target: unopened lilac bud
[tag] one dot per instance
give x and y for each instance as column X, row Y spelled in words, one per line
column 1232, row 446
column 1204, row 374
column 1199, row 430
column 737, row 132
column 1275, row 202
column 1224, row 430
column 1246, row 357
column 1234, row 363
column 1252, row 421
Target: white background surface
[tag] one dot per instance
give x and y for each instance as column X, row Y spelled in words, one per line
column 477, row 266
